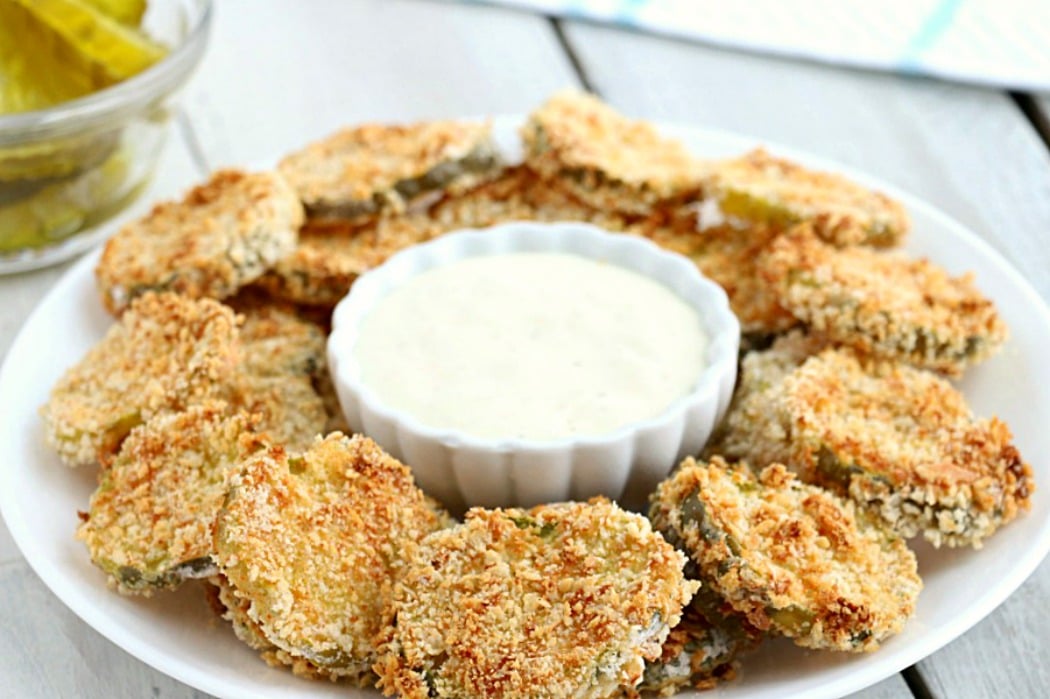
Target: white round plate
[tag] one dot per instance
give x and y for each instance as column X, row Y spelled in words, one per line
column 177, row 634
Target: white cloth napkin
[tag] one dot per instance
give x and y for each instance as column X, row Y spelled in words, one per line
column 1001, row 43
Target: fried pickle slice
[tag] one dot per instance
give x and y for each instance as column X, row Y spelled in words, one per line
column 331, row 255
column 794, row 558
column 282, row 357
column 700, row 652
column 883, row 303
column 166, row 353
column 222, row 235
column 761, row 188
column 576, row 142
column 366, row 169
column 149, row 524
column 901, row 442
column 311, row 543
column 566, row 600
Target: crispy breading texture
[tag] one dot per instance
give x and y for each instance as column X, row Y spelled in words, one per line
column 762, row 188
column 364, row 169
column 702, row 650
column 282, row 356
column 331, row 255
column 225, row 603
column 167, row 352
column 883, row 303
column 794, row 558
column 222, row 235
column 149, row 524
column 611, row 162
column 312, row 543
column 570, row 598
column 899, row 441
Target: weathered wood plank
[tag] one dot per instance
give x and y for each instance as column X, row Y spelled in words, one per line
column 890, row 688
column 970, row 152
column 19, row 293
column 270, row 85
column 1003, row 656
column 47, row 651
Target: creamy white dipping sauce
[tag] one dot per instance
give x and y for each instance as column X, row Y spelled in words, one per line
column 536, row 346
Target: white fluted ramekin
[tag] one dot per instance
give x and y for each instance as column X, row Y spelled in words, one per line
column 461, row 470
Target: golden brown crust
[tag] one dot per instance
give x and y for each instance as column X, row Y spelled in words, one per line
column 331, row 255
column 569, row 598
column 762, row 188
column 222, row 235
column 149, row 524
column 167, row 352
column 792, row 557
column 883, row 303
column 364, row 169
column 605, row 159
column 899, row 441
column 312, row 543
column 282, row 358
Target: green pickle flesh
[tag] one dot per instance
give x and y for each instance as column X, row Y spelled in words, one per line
column 52, row 52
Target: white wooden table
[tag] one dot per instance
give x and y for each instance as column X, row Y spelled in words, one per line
column 280, row 73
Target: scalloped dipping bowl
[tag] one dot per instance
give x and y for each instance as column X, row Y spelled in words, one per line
column 463, row 470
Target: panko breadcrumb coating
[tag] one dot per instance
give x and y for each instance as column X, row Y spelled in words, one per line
column 577, row 142
column 331, row 255
column 563, row 600
column 312, row 543
column 702, row 650
column 222, row 235
column 149, row 524
column 883, row 303
column 901, row 442
column 224, row 601
column 793, row 558
column 282, row 356
column 364, row 169
column 167, row 352
column 729, row 256
column 762, row 188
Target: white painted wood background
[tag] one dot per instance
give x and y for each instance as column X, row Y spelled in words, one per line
column 280, row 73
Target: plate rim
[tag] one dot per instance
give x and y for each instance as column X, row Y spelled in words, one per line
column 931, row 641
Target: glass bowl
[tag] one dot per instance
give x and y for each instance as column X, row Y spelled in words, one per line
column 67, row 169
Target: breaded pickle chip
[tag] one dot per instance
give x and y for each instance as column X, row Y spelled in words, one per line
column 281, row 358
column 883, row 303
column 311, row 543
column 899, row 441
column 793, row 558
column 149, row 525
column 331, row 255
column 225, row 602
column 167, row 352
column 222, row 235
column 729, row 256
column 605, row 159
column 560, row 600
column 762, row 188
column 365, row 169
column 701, row 651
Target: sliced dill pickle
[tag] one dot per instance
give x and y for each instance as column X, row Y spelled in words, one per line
column 38, row 67
column 127, row 12
column 116, row 49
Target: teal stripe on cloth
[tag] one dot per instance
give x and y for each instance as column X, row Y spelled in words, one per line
column 938, row 22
